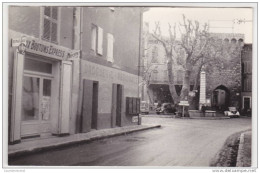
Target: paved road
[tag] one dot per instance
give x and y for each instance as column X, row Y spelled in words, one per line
column 180, row 142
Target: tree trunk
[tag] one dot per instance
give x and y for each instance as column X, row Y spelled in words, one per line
column 148, row 94
column 186, row 85
column 194, row 101
column 172, row 89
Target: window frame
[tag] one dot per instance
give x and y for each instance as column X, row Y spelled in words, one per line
column 94, row 45
column 99, row 40
column 52, row 20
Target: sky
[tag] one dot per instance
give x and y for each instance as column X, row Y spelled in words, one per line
column 220, row 20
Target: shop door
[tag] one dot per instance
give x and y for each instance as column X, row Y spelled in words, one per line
column 36, row 103
column 36, row 99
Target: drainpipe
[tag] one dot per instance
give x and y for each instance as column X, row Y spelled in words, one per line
column 139, row 58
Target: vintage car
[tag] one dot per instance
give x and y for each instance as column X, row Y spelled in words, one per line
column 232, row 112
column 144, row 107
column 166, row 108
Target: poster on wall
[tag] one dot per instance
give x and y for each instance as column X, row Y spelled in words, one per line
column 45, row 105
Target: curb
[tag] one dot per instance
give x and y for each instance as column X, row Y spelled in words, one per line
column 210, row 118
column 240, row 152
column 65, row 144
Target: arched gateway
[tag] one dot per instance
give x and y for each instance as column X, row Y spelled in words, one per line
column 220, row 98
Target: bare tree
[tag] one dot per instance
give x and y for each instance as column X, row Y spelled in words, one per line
column 193, row 51
column 186, row 51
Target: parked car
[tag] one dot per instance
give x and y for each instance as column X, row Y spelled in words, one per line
column 144, row 107
column 166, row 108
column 232, row 112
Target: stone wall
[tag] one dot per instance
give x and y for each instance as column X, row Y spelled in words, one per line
column 227, row 73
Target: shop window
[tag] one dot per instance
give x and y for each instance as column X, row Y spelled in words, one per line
column 50, row 24
column 97, row 39
column 31, row 94
column 110, row 47
column 37, row 66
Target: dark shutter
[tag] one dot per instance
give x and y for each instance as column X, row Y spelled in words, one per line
column 134, row 105
column 138, row 105
column 130, row 106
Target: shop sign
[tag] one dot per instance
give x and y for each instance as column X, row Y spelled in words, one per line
column 74, row 55
column 45, row 48
column 42, row 48
column 15, row 42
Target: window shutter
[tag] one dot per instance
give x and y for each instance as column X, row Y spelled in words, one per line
column 47, row 29
column 65, row 97
column 100, row 41
column 110, row 47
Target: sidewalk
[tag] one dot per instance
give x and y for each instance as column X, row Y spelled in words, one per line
column 29, row 146
column 244, row 150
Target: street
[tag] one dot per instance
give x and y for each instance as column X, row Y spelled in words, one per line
column 179, row 142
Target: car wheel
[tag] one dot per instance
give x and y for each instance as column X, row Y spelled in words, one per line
column 158, row 113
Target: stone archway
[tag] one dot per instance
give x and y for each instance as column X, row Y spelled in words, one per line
column 220, row 98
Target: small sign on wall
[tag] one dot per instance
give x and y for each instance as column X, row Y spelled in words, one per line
column 15, row 42
column 135, row 119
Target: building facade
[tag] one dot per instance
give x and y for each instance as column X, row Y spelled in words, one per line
column 247, row 78
column 223, row 81
column 72, row 69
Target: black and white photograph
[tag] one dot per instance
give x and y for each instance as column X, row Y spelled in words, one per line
column 130, row 85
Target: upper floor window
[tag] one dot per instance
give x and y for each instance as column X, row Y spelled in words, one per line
column 155, row 55
column 97, row 39
column 50, row 24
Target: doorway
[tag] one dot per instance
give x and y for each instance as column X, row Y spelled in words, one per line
column 94, row 106
column 220, row 98
column 89, row 116
column 36, row 99
column 247, row 103
column 118, row 104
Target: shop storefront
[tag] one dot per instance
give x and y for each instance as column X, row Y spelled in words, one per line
column 41, row 90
